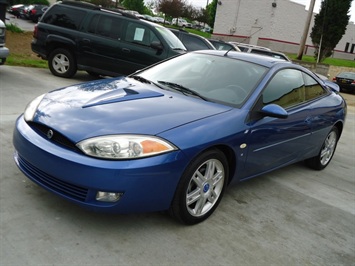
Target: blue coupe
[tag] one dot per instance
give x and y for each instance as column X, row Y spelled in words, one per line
column 174, row 135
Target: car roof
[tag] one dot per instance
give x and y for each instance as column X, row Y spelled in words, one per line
column 266, row 61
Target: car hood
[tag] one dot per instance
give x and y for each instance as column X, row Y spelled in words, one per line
column 119, row 106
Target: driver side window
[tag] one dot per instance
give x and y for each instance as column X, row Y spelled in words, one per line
column 286, row 89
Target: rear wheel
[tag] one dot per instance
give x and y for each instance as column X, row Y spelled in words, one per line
column 326, row 153
column 61, row 63
column 201, row 188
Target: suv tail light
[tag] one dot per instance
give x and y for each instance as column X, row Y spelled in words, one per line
column 33, row 11
column 35, row 31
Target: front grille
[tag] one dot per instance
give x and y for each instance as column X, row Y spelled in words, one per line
column 52, row 183
column 57, row 138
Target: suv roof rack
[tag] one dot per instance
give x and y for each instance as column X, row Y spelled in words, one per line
column 96, row 7
column 80, row 4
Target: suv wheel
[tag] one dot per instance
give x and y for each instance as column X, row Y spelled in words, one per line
column 61, row 63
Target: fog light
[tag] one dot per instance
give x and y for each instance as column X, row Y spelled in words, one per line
column 108, row 196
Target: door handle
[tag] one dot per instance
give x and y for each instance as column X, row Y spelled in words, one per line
column 126, row 50
column 86, row 41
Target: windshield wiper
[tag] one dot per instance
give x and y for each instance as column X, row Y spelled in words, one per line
column 144, row 80
column 141, row 79
column 182, row 89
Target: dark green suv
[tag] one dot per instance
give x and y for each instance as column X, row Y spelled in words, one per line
column 80, row 36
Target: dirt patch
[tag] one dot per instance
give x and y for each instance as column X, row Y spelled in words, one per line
column 20, row 44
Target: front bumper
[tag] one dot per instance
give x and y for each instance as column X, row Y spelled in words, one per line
column 147, row 184
column 4, row 53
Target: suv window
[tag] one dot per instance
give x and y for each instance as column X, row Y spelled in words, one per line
column 139, row 34
column 64, row 17
column 106, row 26
column 193, row 43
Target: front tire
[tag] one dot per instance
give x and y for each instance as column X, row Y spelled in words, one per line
column 62, row 63
column 327, row 151
column 201, row 188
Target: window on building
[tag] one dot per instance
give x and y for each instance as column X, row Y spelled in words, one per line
column 346, row 47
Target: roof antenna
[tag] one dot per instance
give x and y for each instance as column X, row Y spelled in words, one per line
column 228, row 51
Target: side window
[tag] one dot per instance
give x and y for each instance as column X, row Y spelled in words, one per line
column 313, row 89
column 139, row 34
column 193, row 43
column 106, row 26
column 286, row 89
column 64, row 17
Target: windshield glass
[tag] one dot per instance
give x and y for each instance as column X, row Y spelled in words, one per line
column 170, row 38
column 215, row 78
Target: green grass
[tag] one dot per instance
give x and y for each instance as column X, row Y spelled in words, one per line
column 13, row 28
column 20, row 60
column 328, row 61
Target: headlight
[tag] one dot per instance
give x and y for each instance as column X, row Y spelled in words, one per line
column 32, row 107
column 124, row 146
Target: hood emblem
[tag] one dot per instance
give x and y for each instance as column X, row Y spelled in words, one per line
column 50, row 134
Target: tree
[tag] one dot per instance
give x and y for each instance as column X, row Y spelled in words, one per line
column 137, row 5
column 211, row 11
column 329, row 26
column 173, row 8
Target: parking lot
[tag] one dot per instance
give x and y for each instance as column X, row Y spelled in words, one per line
column 294, row 216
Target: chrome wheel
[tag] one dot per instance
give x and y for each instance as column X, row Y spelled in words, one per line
column 61, row 63
column 327, row 151
column 205, row 187
column 328, row 148
column 201, row 187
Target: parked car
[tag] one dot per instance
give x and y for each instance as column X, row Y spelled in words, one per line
column 192, row 41
column 244, row 47
column 4, row 51
column 35, row 12
column 76, row 35
column 174, row 135
column 181, row 22
column 221, row 45
column 346, row 81
column 247, row 48
column 16, row 9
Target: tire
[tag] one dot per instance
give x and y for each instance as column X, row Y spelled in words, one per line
column 201, row 188
column 62, row 63
column 327, row 151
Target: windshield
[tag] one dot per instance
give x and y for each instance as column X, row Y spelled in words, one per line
column 215, row 78
column 170, row 38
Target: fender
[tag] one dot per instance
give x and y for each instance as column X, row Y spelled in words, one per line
column 52, row 38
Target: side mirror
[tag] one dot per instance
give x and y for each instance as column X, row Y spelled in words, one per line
column 157, row 45
column 274, row 110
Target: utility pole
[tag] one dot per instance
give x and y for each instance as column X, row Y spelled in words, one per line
column 306, row 29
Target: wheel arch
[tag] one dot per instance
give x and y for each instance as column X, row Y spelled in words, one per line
column 53, row 42
column 230, row 156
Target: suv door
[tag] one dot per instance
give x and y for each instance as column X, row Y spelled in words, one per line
column 137, row 52
column 101, row 46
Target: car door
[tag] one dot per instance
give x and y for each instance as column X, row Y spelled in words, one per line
column 137, row 52
column 101, row 45
column 273, row 142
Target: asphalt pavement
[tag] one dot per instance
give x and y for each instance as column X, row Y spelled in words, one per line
column 293, row 216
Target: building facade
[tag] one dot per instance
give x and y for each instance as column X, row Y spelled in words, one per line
column 276, row 24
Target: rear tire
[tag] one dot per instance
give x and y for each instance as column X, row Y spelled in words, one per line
column 327, row 151
column 62, row 63
column 201, row 188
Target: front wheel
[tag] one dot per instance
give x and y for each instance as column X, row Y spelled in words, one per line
column 326, row 153
column 201, row 188
column 61, row 63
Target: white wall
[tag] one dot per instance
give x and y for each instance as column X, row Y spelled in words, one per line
column 279, row 28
